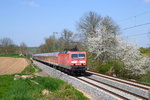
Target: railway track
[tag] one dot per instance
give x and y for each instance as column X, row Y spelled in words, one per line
column 119, row 87
column 121, row 94
column 130, row 82
column 103, row 86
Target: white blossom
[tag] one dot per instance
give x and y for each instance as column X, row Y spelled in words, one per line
column 132, row 58
column 108, row 44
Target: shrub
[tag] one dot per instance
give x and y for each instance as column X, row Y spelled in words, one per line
column 145, row 78
column 111, row 67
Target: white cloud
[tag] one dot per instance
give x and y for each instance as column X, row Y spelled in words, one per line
column 30, row 3
column 146, row 0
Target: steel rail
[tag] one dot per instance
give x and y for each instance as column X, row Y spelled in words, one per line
column 115, row 94
column 143, row 98
column 120, row 80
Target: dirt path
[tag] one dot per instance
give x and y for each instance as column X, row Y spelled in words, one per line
column 9, row 65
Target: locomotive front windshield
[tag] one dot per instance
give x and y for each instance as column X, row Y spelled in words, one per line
column 75, row 56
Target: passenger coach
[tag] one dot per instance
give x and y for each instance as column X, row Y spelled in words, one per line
column 68, row 61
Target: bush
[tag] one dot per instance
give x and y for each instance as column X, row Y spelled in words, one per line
column 111, row 67
column 145, row 78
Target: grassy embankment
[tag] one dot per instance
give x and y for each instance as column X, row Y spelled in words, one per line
column 12, row 55
column 145, row 51
column 31, row 89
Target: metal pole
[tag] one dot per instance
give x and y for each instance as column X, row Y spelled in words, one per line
column 54, row 45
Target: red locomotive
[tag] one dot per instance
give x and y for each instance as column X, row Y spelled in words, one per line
column 67, row 61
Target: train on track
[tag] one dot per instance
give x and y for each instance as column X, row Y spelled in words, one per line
column 71, row 62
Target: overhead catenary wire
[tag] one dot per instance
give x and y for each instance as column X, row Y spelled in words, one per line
column 135, row 16
column 137, row 26
column 137, row 34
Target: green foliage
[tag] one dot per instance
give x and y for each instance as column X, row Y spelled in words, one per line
column 66, row 92
column 126, row 74
column 12, row 55
column 69, row 94
column 142, row 78
column 145, row 78
column 27, row 89
column 5, row 84
column 37, row 69
column 20, row 90
column 111, row 67
column 145, row 51
column 92, row 63
column 49, row 83
column 104, row 68
column 31, row 69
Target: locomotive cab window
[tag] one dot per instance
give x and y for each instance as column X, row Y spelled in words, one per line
column 81, row 55
column 75, row 56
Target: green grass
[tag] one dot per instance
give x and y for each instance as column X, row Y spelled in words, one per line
column 6, row 82
column 145, row 51
column 31, row 89
column 12, row 55
column 111, row 67
column 145, row 78
column 31, row 69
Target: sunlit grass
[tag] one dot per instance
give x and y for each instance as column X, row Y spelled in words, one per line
column 12, row 55
column 27, row 89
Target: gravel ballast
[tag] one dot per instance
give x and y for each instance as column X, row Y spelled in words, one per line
column 123, row 86
column 95, row 93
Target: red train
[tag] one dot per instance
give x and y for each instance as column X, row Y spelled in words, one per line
column 68, row 61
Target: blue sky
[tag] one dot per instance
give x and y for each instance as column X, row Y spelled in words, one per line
column 31, row 21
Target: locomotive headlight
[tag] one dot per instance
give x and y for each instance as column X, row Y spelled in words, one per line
column 82, row 61
column 73, row 61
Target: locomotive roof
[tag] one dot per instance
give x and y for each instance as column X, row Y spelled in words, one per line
column 42, row 54
column 55, row 53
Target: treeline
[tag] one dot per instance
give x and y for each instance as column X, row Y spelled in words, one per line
column 7, row 46
column 67, row 41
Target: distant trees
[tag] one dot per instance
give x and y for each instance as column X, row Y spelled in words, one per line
column 67, row 37
column 6, row 42
column 7, row 46
column 149, row 38
column 23, row 49
column 53, row 44
column 48, row 46
column 42, row 48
